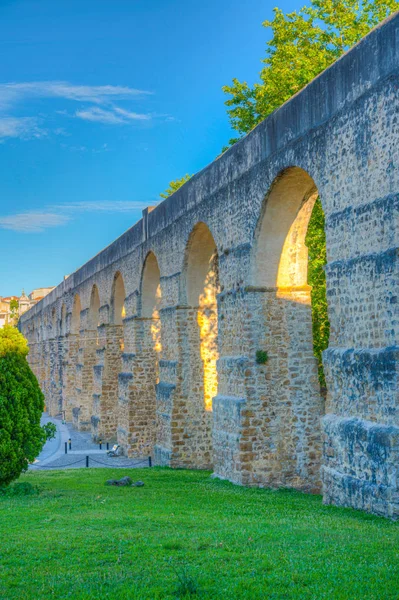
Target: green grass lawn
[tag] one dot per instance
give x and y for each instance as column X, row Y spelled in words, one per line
column 185, row 535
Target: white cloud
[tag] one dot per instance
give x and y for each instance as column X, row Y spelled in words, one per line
column 113, row 116
column 32, row 222
column 133, row 116
column 20, row 127
column 102, row 206
column 11, row 93
column 60, row 214
column 99, row 100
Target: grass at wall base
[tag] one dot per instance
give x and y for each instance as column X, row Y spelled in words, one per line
column 185, row 535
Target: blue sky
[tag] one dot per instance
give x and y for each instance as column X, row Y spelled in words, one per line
column 102, row 103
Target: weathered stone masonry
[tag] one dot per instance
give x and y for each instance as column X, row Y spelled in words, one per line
column 154, row 340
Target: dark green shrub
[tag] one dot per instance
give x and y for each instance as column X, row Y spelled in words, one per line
column 21, row 406
column 49, row 430
column 261, row 357
column 19, row 489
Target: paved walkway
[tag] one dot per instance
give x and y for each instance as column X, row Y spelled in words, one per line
column 53, row 454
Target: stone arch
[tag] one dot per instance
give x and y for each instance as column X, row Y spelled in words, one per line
column 137, row 414
column 76, row 310
column 118, row 300
column 105, row 423
column 150, row 304
column 201, row 268
column 200, row 249
column 53, row 322
column 88, row 345
column 288, row 439
column 280, row 256
column 94, row 314
column 150, row 288
column 200, row 341
column 63, row 323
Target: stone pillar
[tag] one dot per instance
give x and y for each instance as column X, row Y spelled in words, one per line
column 87, row 359
column 192, row 434
column 46, row 374
column 184, row 426
column 106, row 371
column 168, row 389
column 361, row 427
column 62, row 352
column 267, row 416
column 54, row 381
column 34, row 359
column 137, row 388
column 233, row 431
column 41, row 351
column 71, row 345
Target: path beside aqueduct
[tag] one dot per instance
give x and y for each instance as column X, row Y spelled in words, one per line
column 154, row 340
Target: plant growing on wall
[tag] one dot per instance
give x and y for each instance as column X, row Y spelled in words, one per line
column 316, row 242
column 21, row 406
column 261, row 357
column 175, row 185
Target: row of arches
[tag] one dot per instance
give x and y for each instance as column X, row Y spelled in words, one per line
column 157, row 381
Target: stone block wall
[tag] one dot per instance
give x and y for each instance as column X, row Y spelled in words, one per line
column 244, row 218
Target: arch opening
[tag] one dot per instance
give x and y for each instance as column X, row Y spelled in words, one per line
column 94, row 314
column 53, row 322
column 281, row 255
column 202, row 289
column 289, row 439
column 76, row 310
column 199, row 346
column 118, row 312
column 87, row 360
column 107, row 408
column 151, row 299
column 63, row 324
column 137, row 418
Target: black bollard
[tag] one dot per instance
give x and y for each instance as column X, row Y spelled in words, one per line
column 66, row 447
column 107, row 445
column 149, row 461
column 87, row 461
column 70, row 443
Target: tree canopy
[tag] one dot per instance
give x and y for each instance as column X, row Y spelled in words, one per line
column 11, row 340
column 303, row 44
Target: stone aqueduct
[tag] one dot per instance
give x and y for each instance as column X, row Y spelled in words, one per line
column 154, row 340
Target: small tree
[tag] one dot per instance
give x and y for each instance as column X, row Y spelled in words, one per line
column 21, row 406
column 14, row 308
column 175, row 185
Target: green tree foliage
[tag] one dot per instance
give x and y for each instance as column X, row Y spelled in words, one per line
column 302, row 45
column 11, row 340
column 21, row 406
column 316, row 242
column 175, row 185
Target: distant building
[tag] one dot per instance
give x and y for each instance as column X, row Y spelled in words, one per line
column 24, row 303
column 39, row 293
